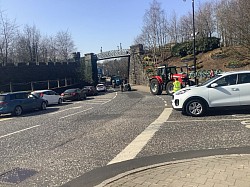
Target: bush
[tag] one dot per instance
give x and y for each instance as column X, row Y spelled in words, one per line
column 201, row 45
column 218, row 55
column 237, row 64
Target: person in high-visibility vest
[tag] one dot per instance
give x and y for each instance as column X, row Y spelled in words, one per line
column 177, row 85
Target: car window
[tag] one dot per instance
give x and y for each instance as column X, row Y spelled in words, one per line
column 244, row 78
column 69, row 90
column 2, row 97
column 227, row 80
column 21, row 96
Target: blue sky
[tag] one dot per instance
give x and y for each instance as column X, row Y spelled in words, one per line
column 92, row 23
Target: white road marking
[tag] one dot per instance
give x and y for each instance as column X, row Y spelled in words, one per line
column 19, row 131
column 142, row 139
column 65, row 110
column 187, row 121
column 246, row 123
column 76, row 113
column 241, row 115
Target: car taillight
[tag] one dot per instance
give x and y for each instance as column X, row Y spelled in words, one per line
column 73, row 93
column 3, row 103
column 62, row 94
column 41, row 94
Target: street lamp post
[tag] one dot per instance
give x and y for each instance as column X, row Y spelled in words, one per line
column 195, row 73
column 195, row 69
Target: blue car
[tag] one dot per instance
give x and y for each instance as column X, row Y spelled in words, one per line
column 18, row 102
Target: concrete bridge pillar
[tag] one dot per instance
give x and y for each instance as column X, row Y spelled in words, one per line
column 135, row 66
column 91, row 73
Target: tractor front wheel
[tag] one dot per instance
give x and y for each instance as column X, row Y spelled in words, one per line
column 155, row 87
column 170, row 88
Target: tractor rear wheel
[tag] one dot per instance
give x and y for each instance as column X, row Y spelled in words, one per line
column 170, row 88
column 155, row 87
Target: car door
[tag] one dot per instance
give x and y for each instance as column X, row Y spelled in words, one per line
column 27, row 102
column 244, row 86
column 53, row 97
column 47, row 96
column 227, row 93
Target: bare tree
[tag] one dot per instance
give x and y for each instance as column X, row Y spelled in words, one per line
column 32, row 37
column 206, row 22
column 64, row 45
column 7, row 34
column 154, row 30
column 173, row 29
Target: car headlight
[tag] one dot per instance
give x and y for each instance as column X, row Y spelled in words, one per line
column 182, row 91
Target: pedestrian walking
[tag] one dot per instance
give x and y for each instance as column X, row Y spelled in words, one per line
column 177, row 85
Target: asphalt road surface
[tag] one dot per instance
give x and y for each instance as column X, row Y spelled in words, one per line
column 52, row 147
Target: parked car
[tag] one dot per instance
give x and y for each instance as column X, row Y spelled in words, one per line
column 229, row 89
column 17, row 102
column 49, row 96
column 74, row 94
column 90, row 90
column 101, row 88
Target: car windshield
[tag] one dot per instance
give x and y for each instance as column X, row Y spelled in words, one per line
column 210, row 80
column 70, row 90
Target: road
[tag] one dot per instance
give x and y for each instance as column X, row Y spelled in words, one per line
column 52, row 147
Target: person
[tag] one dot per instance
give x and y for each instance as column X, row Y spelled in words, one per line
column 177, row 85
column 113, row 83
column 211, row 73
column 122, row 86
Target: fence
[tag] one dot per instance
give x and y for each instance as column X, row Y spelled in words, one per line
column 37, row 85
column 203, row 74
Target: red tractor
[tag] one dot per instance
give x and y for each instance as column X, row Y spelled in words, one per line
column 165, row 78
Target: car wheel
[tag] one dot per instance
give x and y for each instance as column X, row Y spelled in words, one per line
column 17, row 111
column 60, row 101
column 195, row 107
column 78, row 98
column 43, row 106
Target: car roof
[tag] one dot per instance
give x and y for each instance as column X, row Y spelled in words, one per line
column 8, row 93
column 39, row 91
column 234, row 72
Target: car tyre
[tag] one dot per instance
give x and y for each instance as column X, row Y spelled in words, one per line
column 18, row 111
column 60, row 101
column 195, row 108
column 43, row 106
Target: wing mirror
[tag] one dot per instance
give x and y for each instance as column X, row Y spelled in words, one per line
column 213, row 85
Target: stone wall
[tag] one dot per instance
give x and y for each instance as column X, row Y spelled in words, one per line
column 136, row 72
column 27, row 73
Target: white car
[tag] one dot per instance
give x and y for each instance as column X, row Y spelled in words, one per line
column 229, row 89
column 49, row 96
column 101, row 88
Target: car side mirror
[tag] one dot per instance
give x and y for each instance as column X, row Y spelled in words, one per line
column 213, row 85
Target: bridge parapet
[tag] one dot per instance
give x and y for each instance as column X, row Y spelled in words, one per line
column 113, row 54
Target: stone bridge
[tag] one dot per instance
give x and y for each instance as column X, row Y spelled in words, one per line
column 133, row 54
